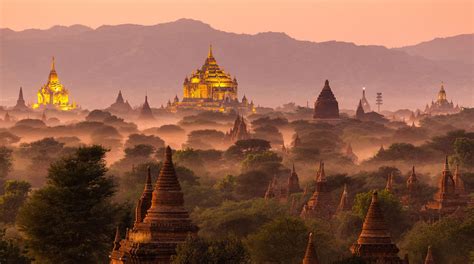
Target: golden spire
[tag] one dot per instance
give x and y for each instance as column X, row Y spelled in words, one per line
column 209, row 55
column 52, row 65
column 429, row 256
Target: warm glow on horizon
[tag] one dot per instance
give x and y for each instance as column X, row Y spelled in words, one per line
column 385, row 22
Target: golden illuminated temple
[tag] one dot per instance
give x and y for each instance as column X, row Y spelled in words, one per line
column 53, row 94
column 210, row 88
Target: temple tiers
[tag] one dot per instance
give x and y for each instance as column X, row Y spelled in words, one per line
column 326, row 106
column 441, row 106
column 211, row 88
column 53, row 94
column 320, row 204
column 154, row 237
column 375, row 244
column 120, row 106
column 145, row 113
column 20, row 103
column 310, row 256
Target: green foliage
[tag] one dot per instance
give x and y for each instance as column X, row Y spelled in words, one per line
column 394, row 215
column 226, row 186
column 464, row 152
column 252, row 184
column 139, row 139
column 14, row 195
column 270, row 133
column 282, row 240
column 71, row 219
column 236, row 218
column 267, row 161
column 405, row 152
column 445, row 143
column 451, row 240
column 199, row 196
column 5, row 162
column 205, row 139
column 139, row 151
column 10, row 252
column 252, row 145
column 198, row 250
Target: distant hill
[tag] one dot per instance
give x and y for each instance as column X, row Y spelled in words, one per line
column 271, row 68
column 457, row 48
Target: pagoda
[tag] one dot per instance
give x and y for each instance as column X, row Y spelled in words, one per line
column 350, row 154
column 211, row 89
column 293, row 185
column 326, row 106
column 412, row 185
column 310, row 256
column 389, row 184
column 446, row 200
column 120, row 106
column 344, row 204
column 360, row 112
column 53, row 94
column 364, row 102
column 20, row 102
column 441, row 106
column 145, row 113
column 374, row 244
column 238, row 131
column 166, row 223
column 429, row 257
column 320, row 204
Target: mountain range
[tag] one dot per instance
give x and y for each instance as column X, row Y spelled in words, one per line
column 271, row 68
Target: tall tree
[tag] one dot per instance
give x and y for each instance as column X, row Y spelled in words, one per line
column 15, row 194
column 5, row 163
column 71, row 219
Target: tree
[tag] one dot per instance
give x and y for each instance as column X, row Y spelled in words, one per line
column 15, row 194
column 226, row 186
column 141, row 151
column 246, row 146
column 282, row 240
column 464, row 152
column 140, row 139
column 268, row 162
column 10, row 252
column 205, row 139
column 71, row 219
column 270, row 133
column 252, row 184
column 5, row 162
column 198, row 250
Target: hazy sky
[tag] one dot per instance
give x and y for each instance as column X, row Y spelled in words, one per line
column 386, row 22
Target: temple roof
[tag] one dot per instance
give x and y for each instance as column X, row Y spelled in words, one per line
column 374, row 229
column 326, row 106
column 310, row 256
column 344, row 202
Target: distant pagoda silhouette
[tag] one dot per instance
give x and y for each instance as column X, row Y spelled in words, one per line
column 326, row 106
column 310, row 256
column 20, row 102
column 158, row 229
column 120, row 106
column 145, row 113
column 320, row 204
column 374, row 244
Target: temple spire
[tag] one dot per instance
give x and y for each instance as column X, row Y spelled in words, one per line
column 389, row 185
column 429, row 257
column 20, row 95
column 344, row 202
column 322, row 174
column 210, row 55
column 458, row 182
column 446, row 164
column 53, row 68
column 117, row 239
column 310, row 256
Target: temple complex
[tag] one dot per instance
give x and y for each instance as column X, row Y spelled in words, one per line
column 374, row 244
column 283, row 193
column 238, row 131
column 364, row 102
column 326, row 106
column 310, row 256
column 447, row 200
column 145, row 113
column 20, row 103
column 441, row 106
column 53, row 95
column 166, row 223
column 320, row 204
column 211, row 89
column 120, row 106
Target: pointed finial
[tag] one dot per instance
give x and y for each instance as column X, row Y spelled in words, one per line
column 293, row 168
column 168, row 154
column 209, row 55
column 52, row 64
column 446, row 164
column 429, row 256
column 117, row 239
column 326, row 83
column 375, row 196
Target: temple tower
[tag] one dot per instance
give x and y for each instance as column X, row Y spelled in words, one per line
column 239, row 130
column 375, row 244
column 120, row 106
column 429, row 257
column 344, row 202
column 153, row 239
column 320, row 204
column 326, row 106
column 365, row 102
column 458, row 182
column 360, row 111
column 20, row 102
column 350, row 154
column 293, row 182
column 145, row 113
column 310, row 256
column 389, row 184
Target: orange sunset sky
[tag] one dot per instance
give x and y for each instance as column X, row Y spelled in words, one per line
column 383, row 22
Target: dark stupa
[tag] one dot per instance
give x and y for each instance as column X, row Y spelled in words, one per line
column 20, row 103
column 145, row 112
column 326, row 106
